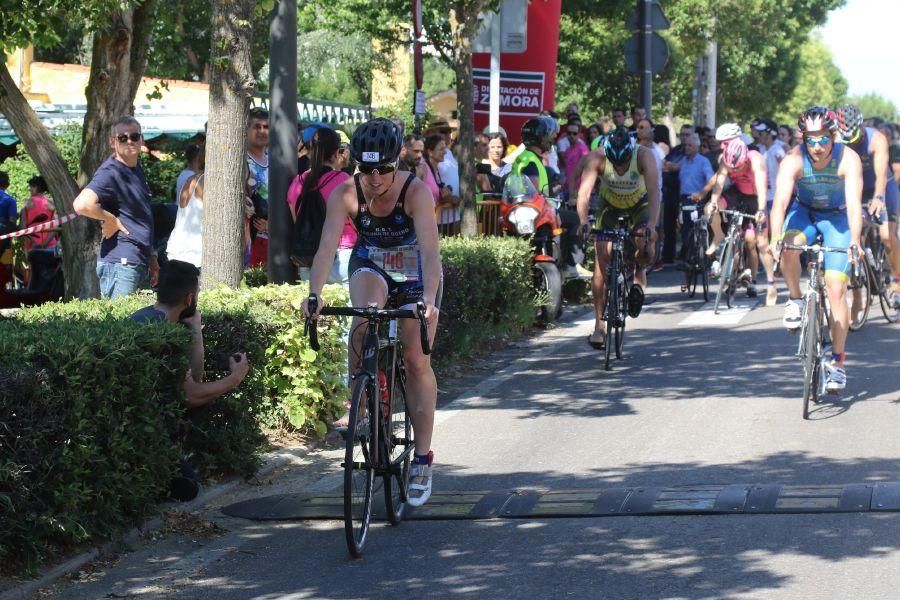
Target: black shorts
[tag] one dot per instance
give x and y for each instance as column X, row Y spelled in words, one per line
column 399, row 295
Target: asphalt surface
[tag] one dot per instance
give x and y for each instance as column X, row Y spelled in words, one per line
column 698, row 399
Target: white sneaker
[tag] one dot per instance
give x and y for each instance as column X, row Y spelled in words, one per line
column 583, row 273
column 835, row 377
column 419, row 490
column 792, row 311
column 715, row 269
column 569, row 272
column 746, row 277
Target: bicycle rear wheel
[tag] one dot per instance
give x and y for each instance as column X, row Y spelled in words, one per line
column 360, row 457
column 398, row 444
column 811, row 351
column 726, row 275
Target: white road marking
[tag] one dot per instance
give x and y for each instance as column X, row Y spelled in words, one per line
column 727, row 316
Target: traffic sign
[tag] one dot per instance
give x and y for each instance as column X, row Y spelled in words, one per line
column 658, row 20
column 513, row 17
column 659, row 53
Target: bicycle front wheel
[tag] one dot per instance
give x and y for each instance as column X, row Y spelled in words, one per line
column 886, row 297
column 859, row 298
column 811, row 351
column 726, row 275
column 360, row 457
column 399, row 444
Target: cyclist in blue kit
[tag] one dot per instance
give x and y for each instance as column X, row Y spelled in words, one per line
column 828, row 177
column 880, row 193
column 396, row 263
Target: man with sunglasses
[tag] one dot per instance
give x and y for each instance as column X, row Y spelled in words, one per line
column 391, row 211
column 880, row 193
column 118, row 195
column 629, row 187
column 828, row 179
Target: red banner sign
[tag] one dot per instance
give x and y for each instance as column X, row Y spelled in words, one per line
column 527, row 80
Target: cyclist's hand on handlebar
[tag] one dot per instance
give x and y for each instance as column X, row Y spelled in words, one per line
column 431, row 313
column 584, row 231
column 875, row 206
column 761, row 219
column 696, row 197
column 775, row 250
column 312, row 307
column 855, row 252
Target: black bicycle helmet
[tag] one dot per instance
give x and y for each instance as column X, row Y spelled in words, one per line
column 849, row 122
column 538, row 132
column 376, row 142
column 619, row 147
column 817, row 118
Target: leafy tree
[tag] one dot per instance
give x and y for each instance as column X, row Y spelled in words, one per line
column 450, row 26
column 818, row 81
column 231, row 83
column 759, row 53
column 876, row 105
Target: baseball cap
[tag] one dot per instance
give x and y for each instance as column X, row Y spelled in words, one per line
column 310, row 130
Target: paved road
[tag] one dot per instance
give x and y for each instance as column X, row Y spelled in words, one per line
column 699, row 399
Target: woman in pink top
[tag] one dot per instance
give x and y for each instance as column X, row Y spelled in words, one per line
column 327, row 158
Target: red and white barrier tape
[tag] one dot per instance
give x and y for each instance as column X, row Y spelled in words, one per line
column 43, row 226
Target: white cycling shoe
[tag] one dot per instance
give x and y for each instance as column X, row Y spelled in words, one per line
column 835, row 377
column 793, row 310
column 420, row 479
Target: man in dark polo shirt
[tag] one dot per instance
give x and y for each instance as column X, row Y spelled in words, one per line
column 119, row 197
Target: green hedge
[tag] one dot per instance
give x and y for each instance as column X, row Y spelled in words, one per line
column 87, row 416
column 488, row 292
column 92, row 401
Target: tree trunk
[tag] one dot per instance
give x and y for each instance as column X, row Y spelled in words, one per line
column 231, row 84
column 79, row 236
column 467, row 26
column 118, row 60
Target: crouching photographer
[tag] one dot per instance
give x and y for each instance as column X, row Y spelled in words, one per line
column 176, row 302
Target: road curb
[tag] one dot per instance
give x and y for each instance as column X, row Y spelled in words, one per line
column 271, row 461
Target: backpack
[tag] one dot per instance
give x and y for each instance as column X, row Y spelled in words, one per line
column 308, row 228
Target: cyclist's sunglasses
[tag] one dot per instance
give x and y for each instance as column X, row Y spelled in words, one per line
column 821, row 140
column 377, row 169
column 133, row 136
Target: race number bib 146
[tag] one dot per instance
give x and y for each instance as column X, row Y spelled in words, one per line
column 401, row 263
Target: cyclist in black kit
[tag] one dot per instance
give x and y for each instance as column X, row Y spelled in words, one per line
column 396, row 262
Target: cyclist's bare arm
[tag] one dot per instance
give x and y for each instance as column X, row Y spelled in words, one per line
column 593, row 165
column 851, row 171
column 881, row 162
column 758, row 164
column 647, row 165
column 789, row 172
column 718, row 184
column 337, row 210
column 420, row 206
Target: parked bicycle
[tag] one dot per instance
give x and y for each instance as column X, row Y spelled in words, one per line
column 814, row 322
column 731, row 257
column 379, row 440
column 623, row 298
column 696, row 264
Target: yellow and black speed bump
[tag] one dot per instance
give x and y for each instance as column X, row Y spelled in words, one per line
column 531, row 504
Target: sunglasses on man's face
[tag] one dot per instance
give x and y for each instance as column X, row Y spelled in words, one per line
column 377, row 169
column 133, row 136
column 821, row 140
column 571, row 133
